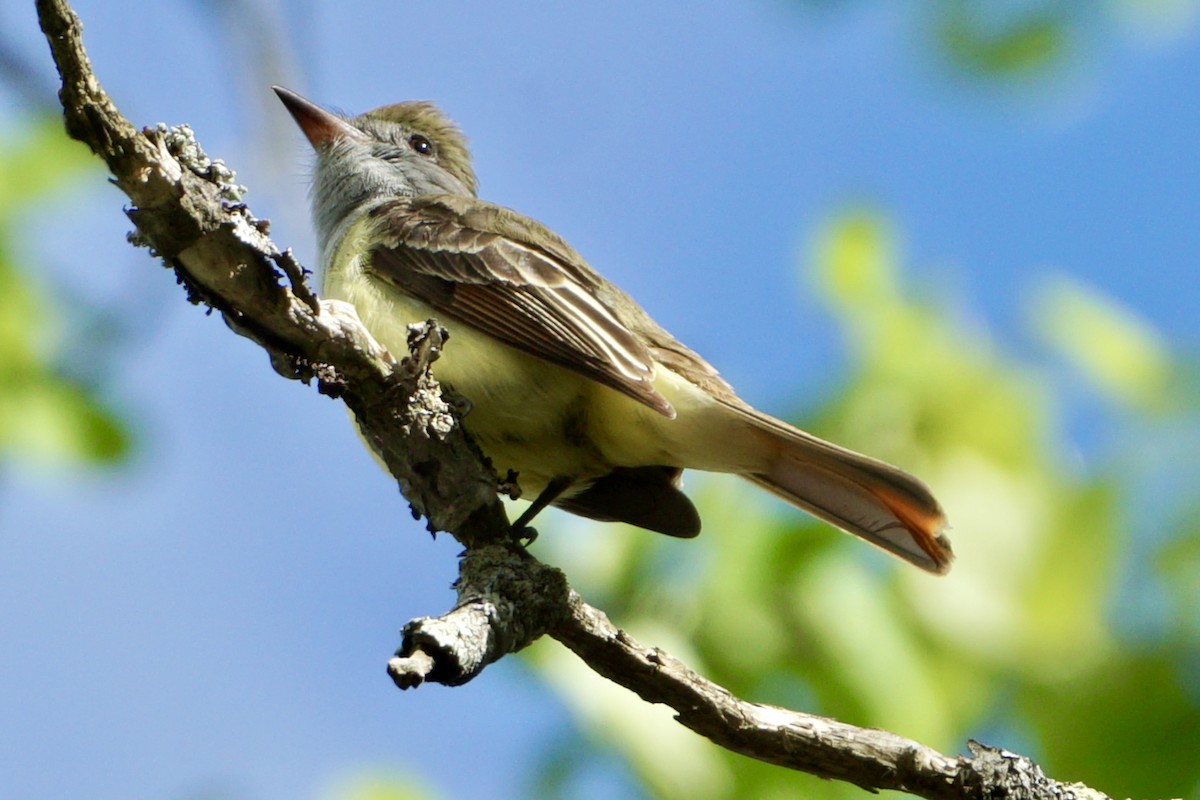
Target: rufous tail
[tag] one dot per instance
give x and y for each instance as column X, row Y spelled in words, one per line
column 884, row 505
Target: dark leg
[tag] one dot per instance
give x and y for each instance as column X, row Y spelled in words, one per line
column 554, row 488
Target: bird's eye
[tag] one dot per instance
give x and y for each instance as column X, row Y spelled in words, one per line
column 421, row 144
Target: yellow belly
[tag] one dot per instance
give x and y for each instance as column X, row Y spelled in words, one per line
column 527, row 415
column 540, row 420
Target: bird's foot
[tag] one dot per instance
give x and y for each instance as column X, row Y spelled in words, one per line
column 523, row 535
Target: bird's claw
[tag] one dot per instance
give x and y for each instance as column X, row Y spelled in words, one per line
column 524, row 535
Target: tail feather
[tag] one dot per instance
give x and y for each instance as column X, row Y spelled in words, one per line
column 884, row 505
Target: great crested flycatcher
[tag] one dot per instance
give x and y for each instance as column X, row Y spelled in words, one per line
column 571, row 385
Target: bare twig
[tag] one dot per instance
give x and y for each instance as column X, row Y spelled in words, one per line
column 506, row 600
column 188, row 210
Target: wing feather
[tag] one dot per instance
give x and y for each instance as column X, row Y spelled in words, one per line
column 514, row 280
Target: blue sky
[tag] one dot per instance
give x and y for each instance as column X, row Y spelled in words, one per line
column 216, row 615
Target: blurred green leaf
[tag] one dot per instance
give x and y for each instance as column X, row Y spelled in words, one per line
column 381, row 787
column 41, row 161
column 1179, row 563
column 1130, row 728
column 780, row 609
column 44, row 414
column 45, row 417
column 924, row 384
column 1120, row 354
column 1029, row 42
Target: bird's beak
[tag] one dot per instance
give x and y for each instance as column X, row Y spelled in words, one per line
column 320, row 126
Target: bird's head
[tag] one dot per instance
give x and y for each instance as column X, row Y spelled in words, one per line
column 401, row 150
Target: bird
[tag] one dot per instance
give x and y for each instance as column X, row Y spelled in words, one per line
column 570, row 385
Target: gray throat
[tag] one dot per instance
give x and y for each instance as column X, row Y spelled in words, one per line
column 349, row 181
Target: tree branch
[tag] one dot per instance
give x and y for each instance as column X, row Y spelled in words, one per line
column 871, row 758
column 187, row 209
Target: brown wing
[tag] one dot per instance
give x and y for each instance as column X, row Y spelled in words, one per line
column 513, row 279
